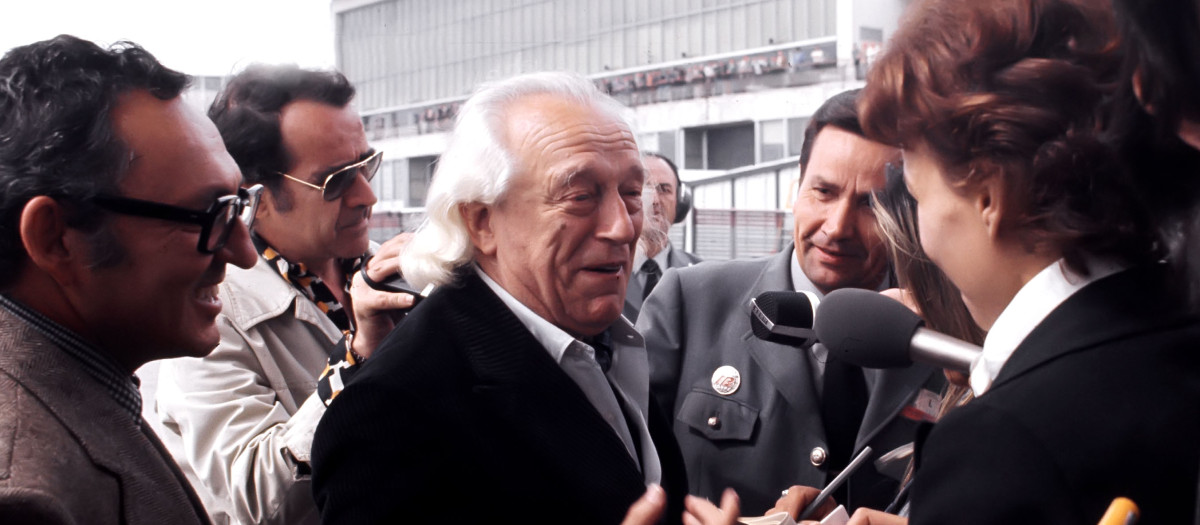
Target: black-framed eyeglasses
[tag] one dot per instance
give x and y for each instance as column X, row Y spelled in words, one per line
column 216, row 223
column 342, row 179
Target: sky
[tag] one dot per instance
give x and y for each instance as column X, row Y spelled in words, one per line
column 197, row 37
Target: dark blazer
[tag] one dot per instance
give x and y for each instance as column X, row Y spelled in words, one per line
column 68, row 452
column 698, row 319
column 1101, row 400
column 461, row 404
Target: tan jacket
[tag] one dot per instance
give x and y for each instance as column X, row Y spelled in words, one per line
column 241, row 419
column 68, row 452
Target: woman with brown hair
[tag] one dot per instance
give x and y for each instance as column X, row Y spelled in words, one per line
column 1089, row 383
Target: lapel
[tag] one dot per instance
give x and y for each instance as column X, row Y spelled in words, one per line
column 525, row 388
column 152, row 491
column 633, row 298
column 1118, row 306
column 788, row 366
column 893, row 390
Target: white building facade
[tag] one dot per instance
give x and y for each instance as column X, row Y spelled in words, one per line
column 723, row 87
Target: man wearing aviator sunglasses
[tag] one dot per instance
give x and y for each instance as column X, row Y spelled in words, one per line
column 240, row 420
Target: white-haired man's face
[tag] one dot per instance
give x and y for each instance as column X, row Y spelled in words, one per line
column 562, row 238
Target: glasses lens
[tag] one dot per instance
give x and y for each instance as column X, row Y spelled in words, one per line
column 372, row 166
column 340, row 181
column 250, row 197
column 337, row 184
column 222, row 225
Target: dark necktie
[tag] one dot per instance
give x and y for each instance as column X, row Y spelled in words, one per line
column 600, row 343
column 843, row 403
column 653, row 272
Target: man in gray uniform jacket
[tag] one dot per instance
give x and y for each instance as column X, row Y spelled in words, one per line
column 749, row 414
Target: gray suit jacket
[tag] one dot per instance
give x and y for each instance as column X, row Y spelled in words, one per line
column 68, row 452
column 676, row 258
column 698, row 319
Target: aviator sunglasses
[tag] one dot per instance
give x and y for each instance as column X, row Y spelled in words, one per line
column 216, row 223
column 342, row 179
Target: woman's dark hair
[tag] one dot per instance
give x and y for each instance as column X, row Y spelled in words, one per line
column 1012, row 89
column 1162, row 45
column 56, row 137
column 247, row 115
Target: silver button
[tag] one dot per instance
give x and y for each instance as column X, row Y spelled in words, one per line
column 714, row 422
column 818, row 456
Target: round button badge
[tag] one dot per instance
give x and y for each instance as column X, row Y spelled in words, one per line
column 726, row 380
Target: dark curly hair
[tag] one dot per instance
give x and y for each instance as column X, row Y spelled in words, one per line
column 56, row 137
column 1014, row 89
column 247, row 115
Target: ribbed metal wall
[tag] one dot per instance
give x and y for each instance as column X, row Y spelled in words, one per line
column 404, row 51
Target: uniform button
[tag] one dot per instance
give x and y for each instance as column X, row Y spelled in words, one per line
column 818, row 456
column 714, row 422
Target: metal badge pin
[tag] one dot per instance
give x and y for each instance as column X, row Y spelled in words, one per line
column 726, row 380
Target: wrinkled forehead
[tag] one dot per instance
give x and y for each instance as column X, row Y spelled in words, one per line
column 547, row 131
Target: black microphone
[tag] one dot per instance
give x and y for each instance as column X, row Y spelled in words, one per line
column 871, row 330
column 784, row 317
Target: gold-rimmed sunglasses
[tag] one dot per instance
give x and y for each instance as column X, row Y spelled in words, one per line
column 342, row 179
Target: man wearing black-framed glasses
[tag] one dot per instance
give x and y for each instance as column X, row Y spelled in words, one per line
column 120, row 212
column 240, row 420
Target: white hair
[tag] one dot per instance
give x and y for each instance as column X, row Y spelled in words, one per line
column 476, row 168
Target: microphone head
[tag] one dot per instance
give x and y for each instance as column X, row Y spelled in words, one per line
column 865, row 328
column 785, row 318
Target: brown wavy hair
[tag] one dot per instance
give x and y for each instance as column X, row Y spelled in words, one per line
column 1014, row 89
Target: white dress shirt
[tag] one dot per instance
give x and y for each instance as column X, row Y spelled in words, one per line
column 639, row 258
column 629, row 375
column 817, row 353
column 1028, row 308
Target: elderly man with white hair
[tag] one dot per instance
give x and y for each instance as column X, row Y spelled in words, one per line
column 516, row 389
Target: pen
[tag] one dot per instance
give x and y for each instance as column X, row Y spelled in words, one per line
column 837, row 482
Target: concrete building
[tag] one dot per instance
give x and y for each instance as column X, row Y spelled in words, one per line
column 724, row 87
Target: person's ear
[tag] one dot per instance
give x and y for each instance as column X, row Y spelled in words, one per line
column 478, row 219
column 988, row 196
column 1189, row 132
column 1137, row 80
column 51, row 245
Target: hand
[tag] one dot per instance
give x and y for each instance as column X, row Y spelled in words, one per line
column 648, row 508
column 700, row 511
column 376, row 313
column 797, row 498
column 865, row 516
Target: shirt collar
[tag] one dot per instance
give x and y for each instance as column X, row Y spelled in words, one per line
column 555, row 339
column 800, row 281
column 662, row 259
column 121, row 385
column 309, row 284
column 1028, row 308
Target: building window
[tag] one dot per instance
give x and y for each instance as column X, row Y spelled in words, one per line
column 420, row 172
column 773, row 141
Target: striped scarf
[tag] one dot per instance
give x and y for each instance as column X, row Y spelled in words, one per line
column 309, row 284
